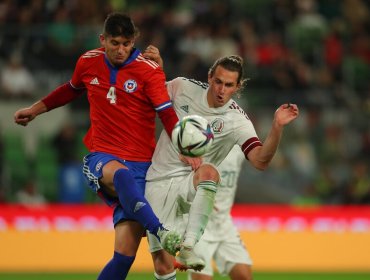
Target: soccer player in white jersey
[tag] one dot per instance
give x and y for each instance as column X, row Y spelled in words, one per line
column 181, row 190
column 221, row 240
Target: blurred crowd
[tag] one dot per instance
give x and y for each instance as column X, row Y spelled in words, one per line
column 315, row 53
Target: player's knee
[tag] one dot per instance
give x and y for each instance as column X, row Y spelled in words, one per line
column 241, row 271
column 207, row 172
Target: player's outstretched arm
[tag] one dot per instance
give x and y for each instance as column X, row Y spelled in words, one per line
column 25, row 115
column 58, row 97
column 261, row 156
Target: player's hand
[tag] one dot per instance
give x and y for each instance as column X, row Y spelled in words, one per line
column 285, row 114
column 194, row 162
column 24, row 116
column 152, row 52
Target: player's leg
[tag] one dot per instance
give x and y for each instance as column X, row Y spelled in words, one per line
column 205, row 183
column 232, row 258
column 205, row 250
column 241, row 271
column 202, row 194
column 130, row 191
column 163, row 197
column 162, row 261
column 117, row 177
column 128, row 235
column 114, row 178
column 100, row 169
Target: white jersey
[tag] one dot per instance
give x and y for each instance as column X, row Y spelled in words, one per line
column 220, row 224
column 230, row 125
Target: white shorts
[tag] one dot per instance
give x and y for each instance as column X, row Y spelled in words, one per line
column 170, row 200
column 225, row 253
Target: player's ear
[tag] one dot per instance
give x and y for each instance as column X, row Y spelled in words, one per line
column 102, row 40
column 209, row 78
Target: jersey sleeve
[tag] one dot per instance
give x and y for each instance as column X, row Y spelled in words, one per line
column 245, row 133
column 156, row 90
column 76, row 81
column 174, row 86
column 61, row 96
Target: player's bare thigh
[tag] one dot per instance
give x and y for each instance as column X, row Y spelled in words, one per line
column 106, row 180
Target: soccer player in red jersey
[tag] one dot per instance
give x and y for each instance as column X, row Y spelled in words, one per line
column 125, row 91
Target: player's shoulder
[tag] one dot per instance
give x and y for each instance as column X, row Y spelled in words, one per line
column 188, row 83
column 146, row 63
column 235, row 108
column 91, row 54
column 88, row 59
column 195, row 83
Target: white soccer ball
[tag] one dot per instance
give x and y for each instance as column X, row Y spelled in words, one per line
column 192, row 136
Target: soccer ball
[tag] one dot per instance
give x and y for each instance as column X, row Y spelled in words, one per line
column 192, row 136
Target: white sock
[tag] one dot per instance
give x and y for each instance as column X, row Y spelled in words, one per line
column 200, row 210
column 170, row 276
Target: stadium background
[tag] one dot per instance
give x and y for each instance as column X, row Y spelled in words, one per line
column 313, row 53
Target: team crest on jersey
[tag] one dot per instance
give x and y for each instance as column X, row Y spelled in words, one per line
column 130, row 86
column 217, row 125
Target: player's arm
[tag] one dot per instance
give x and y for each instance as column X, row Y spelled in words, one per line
column 152, row 52
column 261, row 156
column 167, row 116
column 57, row 98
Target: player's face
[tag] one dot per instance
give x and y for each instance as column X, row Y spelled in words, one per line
column 222, row 85
column 117, row 49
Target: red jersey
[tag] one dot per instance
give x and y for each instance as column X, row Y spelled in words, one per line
column 123, row 103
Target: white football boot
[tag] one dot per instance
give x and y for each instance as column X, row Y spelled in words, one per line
column 187, row 259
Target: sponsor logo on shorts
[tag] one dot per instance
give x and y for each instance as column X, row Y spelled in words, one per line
column 98, row 166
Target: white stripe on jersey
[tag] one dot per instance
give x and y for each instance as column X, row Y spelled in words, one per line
column 163, row 106
column 257, row 141
column 153, row 64
column 92, row 53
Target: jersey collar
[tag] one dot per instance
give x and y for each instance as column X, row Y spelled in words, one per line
column 217, row 110
column 131, row 58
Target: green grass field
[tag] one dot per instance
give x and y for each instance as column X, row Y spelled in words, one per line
column 182, row 276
